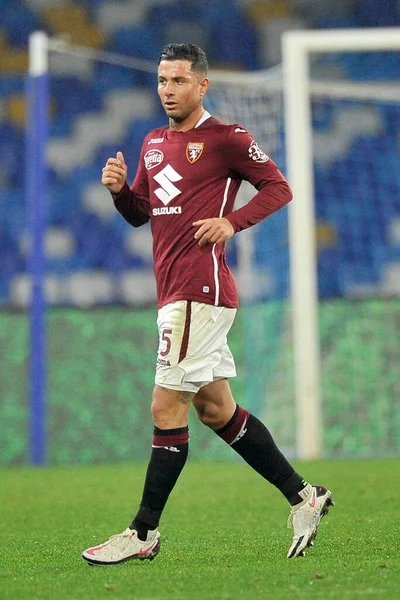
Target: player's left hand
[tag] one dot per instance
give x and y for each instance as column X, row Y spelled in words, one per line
column 213, row 231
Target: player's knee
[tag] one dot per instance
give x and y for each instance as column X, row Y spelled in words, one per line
column 157, row 406
column 159, row 410
column 167, row 408
column 156, row 411
column 209, row 415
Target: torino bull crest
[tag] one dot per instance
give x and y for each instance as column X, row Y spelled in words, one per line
column 193, row 151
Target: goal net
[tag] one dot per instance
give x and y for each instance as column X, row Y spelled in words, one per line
column 323, row 370
column 255, row 101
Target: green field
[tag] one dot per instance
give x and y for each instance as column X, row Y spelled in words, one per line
column 224, row 535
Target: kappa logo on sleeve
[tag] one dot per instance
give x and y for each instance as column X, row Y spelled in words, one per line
column 193, row 151
column 152, row 158
column 256, row 153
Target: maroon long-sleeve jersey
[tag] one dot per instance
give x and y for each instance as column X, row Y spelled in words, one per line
column 187, row 176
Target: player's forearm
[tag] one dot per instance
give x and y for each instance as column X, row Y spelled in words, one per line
column 130, row 206
column 269, row 199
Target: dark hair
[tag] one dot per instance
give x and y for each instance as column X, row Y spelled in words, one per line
column 194, row 54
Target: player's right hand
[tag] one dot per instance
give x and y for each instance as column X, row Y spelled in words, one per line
column 115, row 173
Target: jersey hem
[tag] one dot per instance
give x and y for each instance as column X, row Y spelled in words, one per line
column 194, row 298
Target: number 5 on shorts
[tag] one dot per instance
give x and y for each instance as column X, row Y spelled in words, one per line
column 164, row 338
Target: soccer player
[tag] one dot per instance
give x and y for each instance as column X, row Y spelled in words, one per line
column 187, row 180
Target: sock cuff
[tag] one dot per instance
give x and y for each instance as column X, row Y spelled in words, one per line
column 170, row 437
column 236, row 426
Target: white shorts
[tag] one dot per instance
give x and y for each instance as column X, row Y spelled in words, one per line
column 193, row 349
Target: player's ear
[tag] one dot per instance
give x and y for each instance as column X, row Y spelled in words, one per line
column 204, row 86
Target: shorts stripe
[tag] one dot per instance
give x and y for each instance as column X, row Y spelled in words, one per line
column 186, row 331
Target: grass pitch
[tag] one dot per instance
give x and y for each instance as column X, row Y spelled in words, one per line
column 224, row 535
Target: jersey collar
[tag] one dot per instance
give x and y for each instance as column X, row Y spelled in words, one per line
column 206, row 115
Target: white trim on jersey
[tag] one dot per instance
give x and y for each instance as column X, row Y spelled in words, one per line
column 221, row 212
column 228, row 183
column 206, row 115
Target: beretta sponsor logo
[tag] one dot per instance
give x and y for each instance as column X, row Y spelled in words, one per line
column 152, row 158
column 194, row 150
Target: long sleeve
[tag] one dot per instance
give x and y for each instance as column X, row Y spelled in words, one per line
column 133, row 207
column 250, row 163
column 274, row 193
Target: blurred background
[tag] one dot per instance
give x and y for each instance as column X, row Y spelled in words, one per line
column 99, row 280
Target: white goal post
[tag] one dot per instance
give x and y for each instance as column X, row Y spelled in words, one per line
column 296, row 50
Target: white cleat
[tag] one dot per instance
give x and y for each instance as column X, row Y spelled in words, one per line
column 124, row 546
column 305, row 518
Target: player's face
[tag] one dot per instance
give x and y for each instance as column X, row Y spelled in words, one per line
column 181, row 90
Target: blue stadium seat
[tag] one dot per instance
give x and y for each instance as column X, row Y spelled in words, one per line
column 18, row 20
column 384, row 13
column 362, row 219
column 231, row 253
column 61, row 126
column 139, row 128
column 11, row 84
column 101, row 245
column 73, row 97
column 391, row 120
column 340, row 22
column 4, row 291
column 12, row 154
column 138, row 42
column 83, row 175
column 13, row 215
column 136, row 132
column 8, row 135
column 371, row 145
column 329, row 267
column 12, row 261
column 63, row 204
column 103, row 153
column 234, row 42
column 132, row 142
column 66, row 266
column 269, row 255
column 91, row 238
column 120, row 240
column 322, row 115
column 371, row 66
column 116, row 259
column 159, row 15
column 91, row 5
column 111, row 77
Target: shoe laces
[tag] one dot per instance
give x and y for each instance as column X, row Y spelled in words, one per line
column 119, row 537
